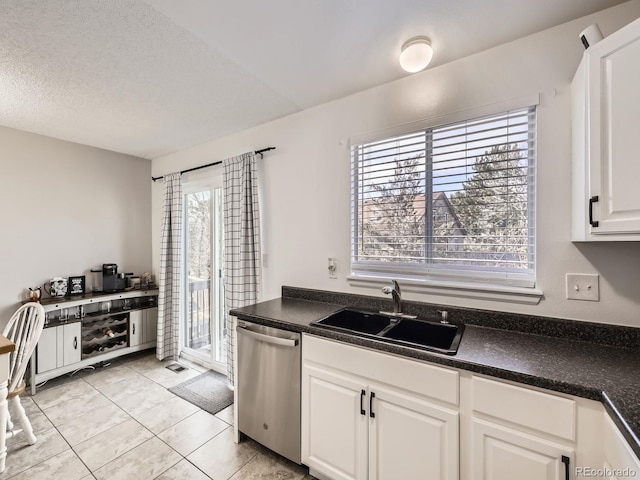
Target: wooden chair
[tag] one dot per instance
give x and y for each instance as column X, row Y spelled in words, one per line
column 24, row 330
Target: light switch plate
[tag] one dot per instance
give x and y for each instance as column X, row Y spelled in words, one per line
column 332, row 266
column 583, row 287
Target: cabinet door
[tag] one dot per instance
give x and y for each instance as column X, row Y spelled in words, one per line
column 71, row 351
column 150, row 330
column 334, row 429
column 47, row 350
column 411, row 439
column 135, row 328
column 614, row 113
column 500, row 453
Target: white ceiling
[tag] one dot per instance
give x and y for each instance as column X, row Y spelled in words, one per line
column 151, row 77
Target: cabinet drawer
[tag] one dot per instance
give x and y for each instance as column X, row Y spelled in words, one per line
column 422, row 378
column 522, row 406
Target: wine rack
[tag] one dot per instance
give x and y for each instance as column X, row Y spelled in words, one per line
column 104, row 333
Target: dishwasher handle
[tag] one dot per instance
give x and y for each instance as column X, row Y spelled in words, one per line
column 283, row 342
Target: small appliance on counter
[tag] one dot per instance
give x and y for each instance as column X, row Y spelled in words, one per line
column 112, row 281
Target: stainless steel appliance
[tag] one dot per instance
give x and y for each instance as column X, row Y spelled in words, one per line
column 269, row 387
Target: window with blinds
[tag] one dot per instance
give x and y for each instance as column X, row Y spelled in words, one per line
column 455, row 202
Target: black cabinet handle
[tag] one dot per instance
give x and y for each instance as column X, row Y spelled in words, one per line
column 565, row 460
column 371, row 414
column 75, row 343
column 134, row 329
column 362, row 394
column 592, row 200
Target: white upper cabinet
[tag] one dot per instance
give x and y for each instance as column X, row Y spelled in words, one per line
column 605, row 129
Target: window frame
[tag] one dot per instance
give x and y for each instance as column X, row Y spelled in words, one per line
column 424, row 278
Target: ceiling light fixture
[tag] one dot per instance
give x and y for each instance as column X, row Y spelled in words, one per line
column 416, row 53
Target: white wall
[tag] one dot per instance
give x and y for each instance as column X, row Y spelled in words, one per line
column 66, row 208
column 306, row 180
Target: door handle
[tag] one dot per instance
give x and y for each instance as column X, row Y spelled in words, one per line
column 362, row 395
column 371, row 414
column 565, row 460
column 134, row 329
column 592, row 200
column 75, row 343
column 283, row 342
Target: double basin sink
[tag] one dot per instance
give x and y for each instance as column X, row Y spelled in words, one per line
column 427, row 335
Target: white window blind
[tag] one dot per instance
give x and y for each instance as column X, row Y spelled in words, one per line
column 455, row 202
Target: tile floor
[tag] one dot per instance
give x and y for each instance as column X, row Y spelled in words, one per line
column 121, row 422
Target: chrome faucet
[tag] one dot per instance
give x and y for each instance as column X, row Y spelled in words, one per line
column 397, row 297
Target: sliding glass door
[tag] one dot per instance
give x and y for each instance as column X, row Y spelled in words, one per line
column 203, row 320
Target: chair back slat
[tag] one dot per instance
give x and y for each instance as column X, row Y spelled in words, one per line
column 24, row 330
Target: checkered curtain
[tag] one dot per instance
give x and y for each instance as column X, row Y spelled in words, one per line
column 241, row 241
column 168, row 345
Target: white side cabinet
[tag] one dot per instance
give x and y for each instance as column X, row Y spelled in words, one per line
column 100, row 329
column 143, row 326
column 368, row 415
column 59, row 346
column 605, row 119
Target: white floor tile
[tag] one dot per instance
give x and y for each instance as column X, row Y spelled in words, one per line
column 65, row 465
column 192, row 432
column 163, row 416
column 220, row 458
column 184, row 470
column 83, row 427
column 110, row 444
column 144, row 462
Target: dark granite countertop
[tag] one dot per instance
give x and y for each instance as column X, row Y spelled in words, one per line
column 603, row 372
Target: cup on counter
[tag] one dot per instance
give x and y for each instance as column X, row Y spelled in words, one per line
column 105, row 307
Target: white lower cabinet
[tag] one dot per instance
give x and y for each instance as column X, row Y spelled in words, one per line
column 368, row 426
column 59, row 346
column 410, row 438
column 333, row 427
column 501, row 453
column 370, row 415
column 516, row 431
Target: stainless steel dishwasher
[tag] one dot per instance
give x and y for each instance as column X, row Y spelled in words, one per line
column 269, row 387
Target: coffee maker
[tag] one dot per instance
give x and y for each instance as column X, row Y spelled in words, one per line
column 112, row 281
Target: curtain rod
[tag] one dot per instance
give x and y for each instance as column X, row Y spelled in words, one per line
column 257, row 152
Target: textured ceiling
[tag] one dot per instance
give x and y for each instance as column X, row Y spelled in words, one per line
column 153, row 77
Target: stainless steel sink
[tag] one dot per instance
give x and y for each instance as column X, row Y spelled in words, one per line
column 427, row 335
